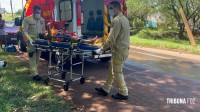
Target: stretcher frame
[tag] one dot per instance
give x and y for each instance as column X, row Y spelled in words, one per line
column 70, row 51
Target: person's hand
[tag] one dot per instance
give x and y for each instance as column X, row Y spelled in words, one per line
column 31, row 41
column 92, row 41
column 44, row 32
column 75, row 38
column 99, row 51
column 49, row 23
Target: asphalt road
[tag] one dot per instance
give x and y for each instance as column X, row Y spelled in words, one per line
column 153, row 77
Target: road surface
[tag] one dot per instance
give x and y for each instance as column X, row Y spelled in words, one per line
column 154, row 79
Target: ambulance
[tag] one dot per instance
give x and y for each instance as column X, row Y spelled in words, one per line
column 88, row 18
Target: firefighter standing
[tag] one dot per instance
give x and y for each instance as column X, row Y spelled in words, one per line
column 2, row 32
column 32, row 26
column 118, row 42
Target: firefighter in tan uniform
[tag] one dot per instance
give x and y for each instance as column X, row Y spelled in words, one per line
column 118, row 42
column 32, row 26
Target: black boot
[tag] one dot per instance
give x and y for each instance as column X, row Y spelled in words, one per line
column 37, row 78
column 101, row 91
column 119, row 97
column 30, row 54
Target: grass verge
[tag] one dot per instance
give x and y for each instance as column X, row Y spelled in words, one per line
column 163, row 39
column 18, row 93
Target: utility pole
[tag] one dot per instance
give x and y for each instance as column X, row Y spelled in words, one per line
column 11, row 9
column 187, row 27
column 22, row 4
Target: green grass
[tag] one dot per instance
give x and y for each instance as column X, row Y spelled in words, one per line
column 160, row 38
column 19, row 93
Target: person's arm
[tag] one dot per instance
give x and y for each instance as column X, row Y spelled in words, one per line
column 114, row 32
column 76, row 38
column 49, row 29
column 25, row 26
column 2, row 24
column 90, row 41
column 46, row 32
column 43, row 27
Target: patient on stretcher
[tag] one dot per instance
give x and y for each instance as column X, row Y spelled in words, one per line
column 81, row 40
column 47, row 35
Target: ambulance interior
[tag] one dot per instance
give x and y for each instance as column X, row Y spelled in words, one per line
column 92, row 16
column 92, row 12
column 63, row 11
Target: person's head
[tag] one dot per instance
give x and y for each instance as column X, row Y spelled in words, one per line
column 91, row 13
column 114, row 8
column 37, row 12
column 0, row 16
column 99, row 12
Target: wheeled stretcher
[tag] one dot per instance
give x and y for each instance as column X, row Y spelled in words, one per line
column 65, row 52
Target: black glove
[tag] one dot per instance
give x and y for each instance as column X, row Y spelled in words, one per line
column 41, row 36
column 30, row 54
column 66, row 38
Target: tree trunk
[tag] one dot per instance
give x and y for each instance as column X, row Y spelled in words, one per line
column 181, row 32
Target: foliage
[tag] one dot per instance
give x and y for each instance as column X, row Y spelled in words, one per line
column 138, row 11
column 169, row 10
column 19, row 12
column 8, row 17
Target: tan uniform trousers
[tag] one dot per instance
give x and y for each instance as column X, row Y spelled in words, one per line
column 115, row 73
column 34, row 60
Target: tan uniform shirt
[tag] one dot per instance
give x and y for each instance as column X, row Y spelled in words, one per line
column 32, row 27
column 119, row 36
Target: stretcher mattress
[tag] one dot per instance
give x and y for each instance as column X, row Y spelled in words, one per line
column 88, row 47
column 60, row 45
column 66, row 45
column 41, row 42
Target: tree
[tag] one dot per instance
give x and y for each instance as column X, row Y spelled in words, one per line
column 139, row 10
column 171, row 7
column 19, row 12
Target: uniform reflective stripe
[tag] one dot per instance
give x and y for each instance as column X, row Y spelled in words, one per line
column 106, row 23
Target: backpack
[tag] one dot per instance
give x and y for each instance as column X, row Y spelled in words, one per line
column 10, row 48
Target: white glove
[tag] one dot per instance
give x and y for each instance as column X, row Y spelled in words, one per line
column 31, row 41
column 98, row 51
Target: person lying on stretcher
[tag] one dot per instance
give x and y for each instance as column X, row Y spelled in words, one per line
column 46, row 35
column 80, row 40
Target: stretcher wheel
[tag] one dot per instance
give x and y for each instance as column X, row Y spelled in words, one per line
column 63, row 75
column 82, row 80
column 46, row 82
column 66, row 86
